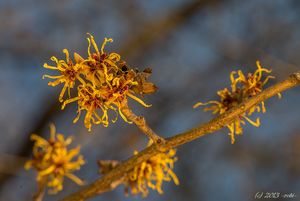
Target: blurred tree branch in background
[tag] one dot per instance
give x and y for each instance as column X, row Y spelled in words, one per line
column 157, row 30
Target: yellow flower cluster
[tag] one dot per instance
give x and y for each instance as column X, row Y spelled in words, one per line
column 152, row 173
column 102, row 81
column 242, row 88
column 53, row 160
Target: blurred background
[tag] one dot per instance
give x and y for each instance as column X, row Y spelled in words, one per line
column 192, row 46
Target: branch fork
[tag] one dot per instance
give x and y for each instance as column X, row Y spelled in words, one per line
column 141, row 123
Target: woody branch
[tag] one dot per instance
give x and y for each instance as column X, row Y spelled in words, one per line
column 140, row 122
column 102, row 184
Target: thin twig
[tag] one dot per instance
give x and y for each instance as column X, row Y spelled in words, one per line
column 39, row 195
column 140, row 122
column 215, row 124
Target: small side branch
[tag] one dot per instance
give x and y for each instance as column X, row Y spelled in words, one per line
column 140, row 122
column 105, row 182
column 39, row 195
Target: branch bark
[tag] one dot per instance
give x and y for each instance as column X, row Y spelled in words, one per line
column 107, row 180
column 140, row 122
column 39, row 195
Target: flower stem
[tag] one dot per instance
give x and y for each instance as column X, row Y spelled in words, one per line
column 39, row 195
column 140, row 122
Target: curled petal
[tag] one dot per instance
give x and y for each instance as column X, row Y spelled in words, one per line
column 138, row 100
column 76, row 179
